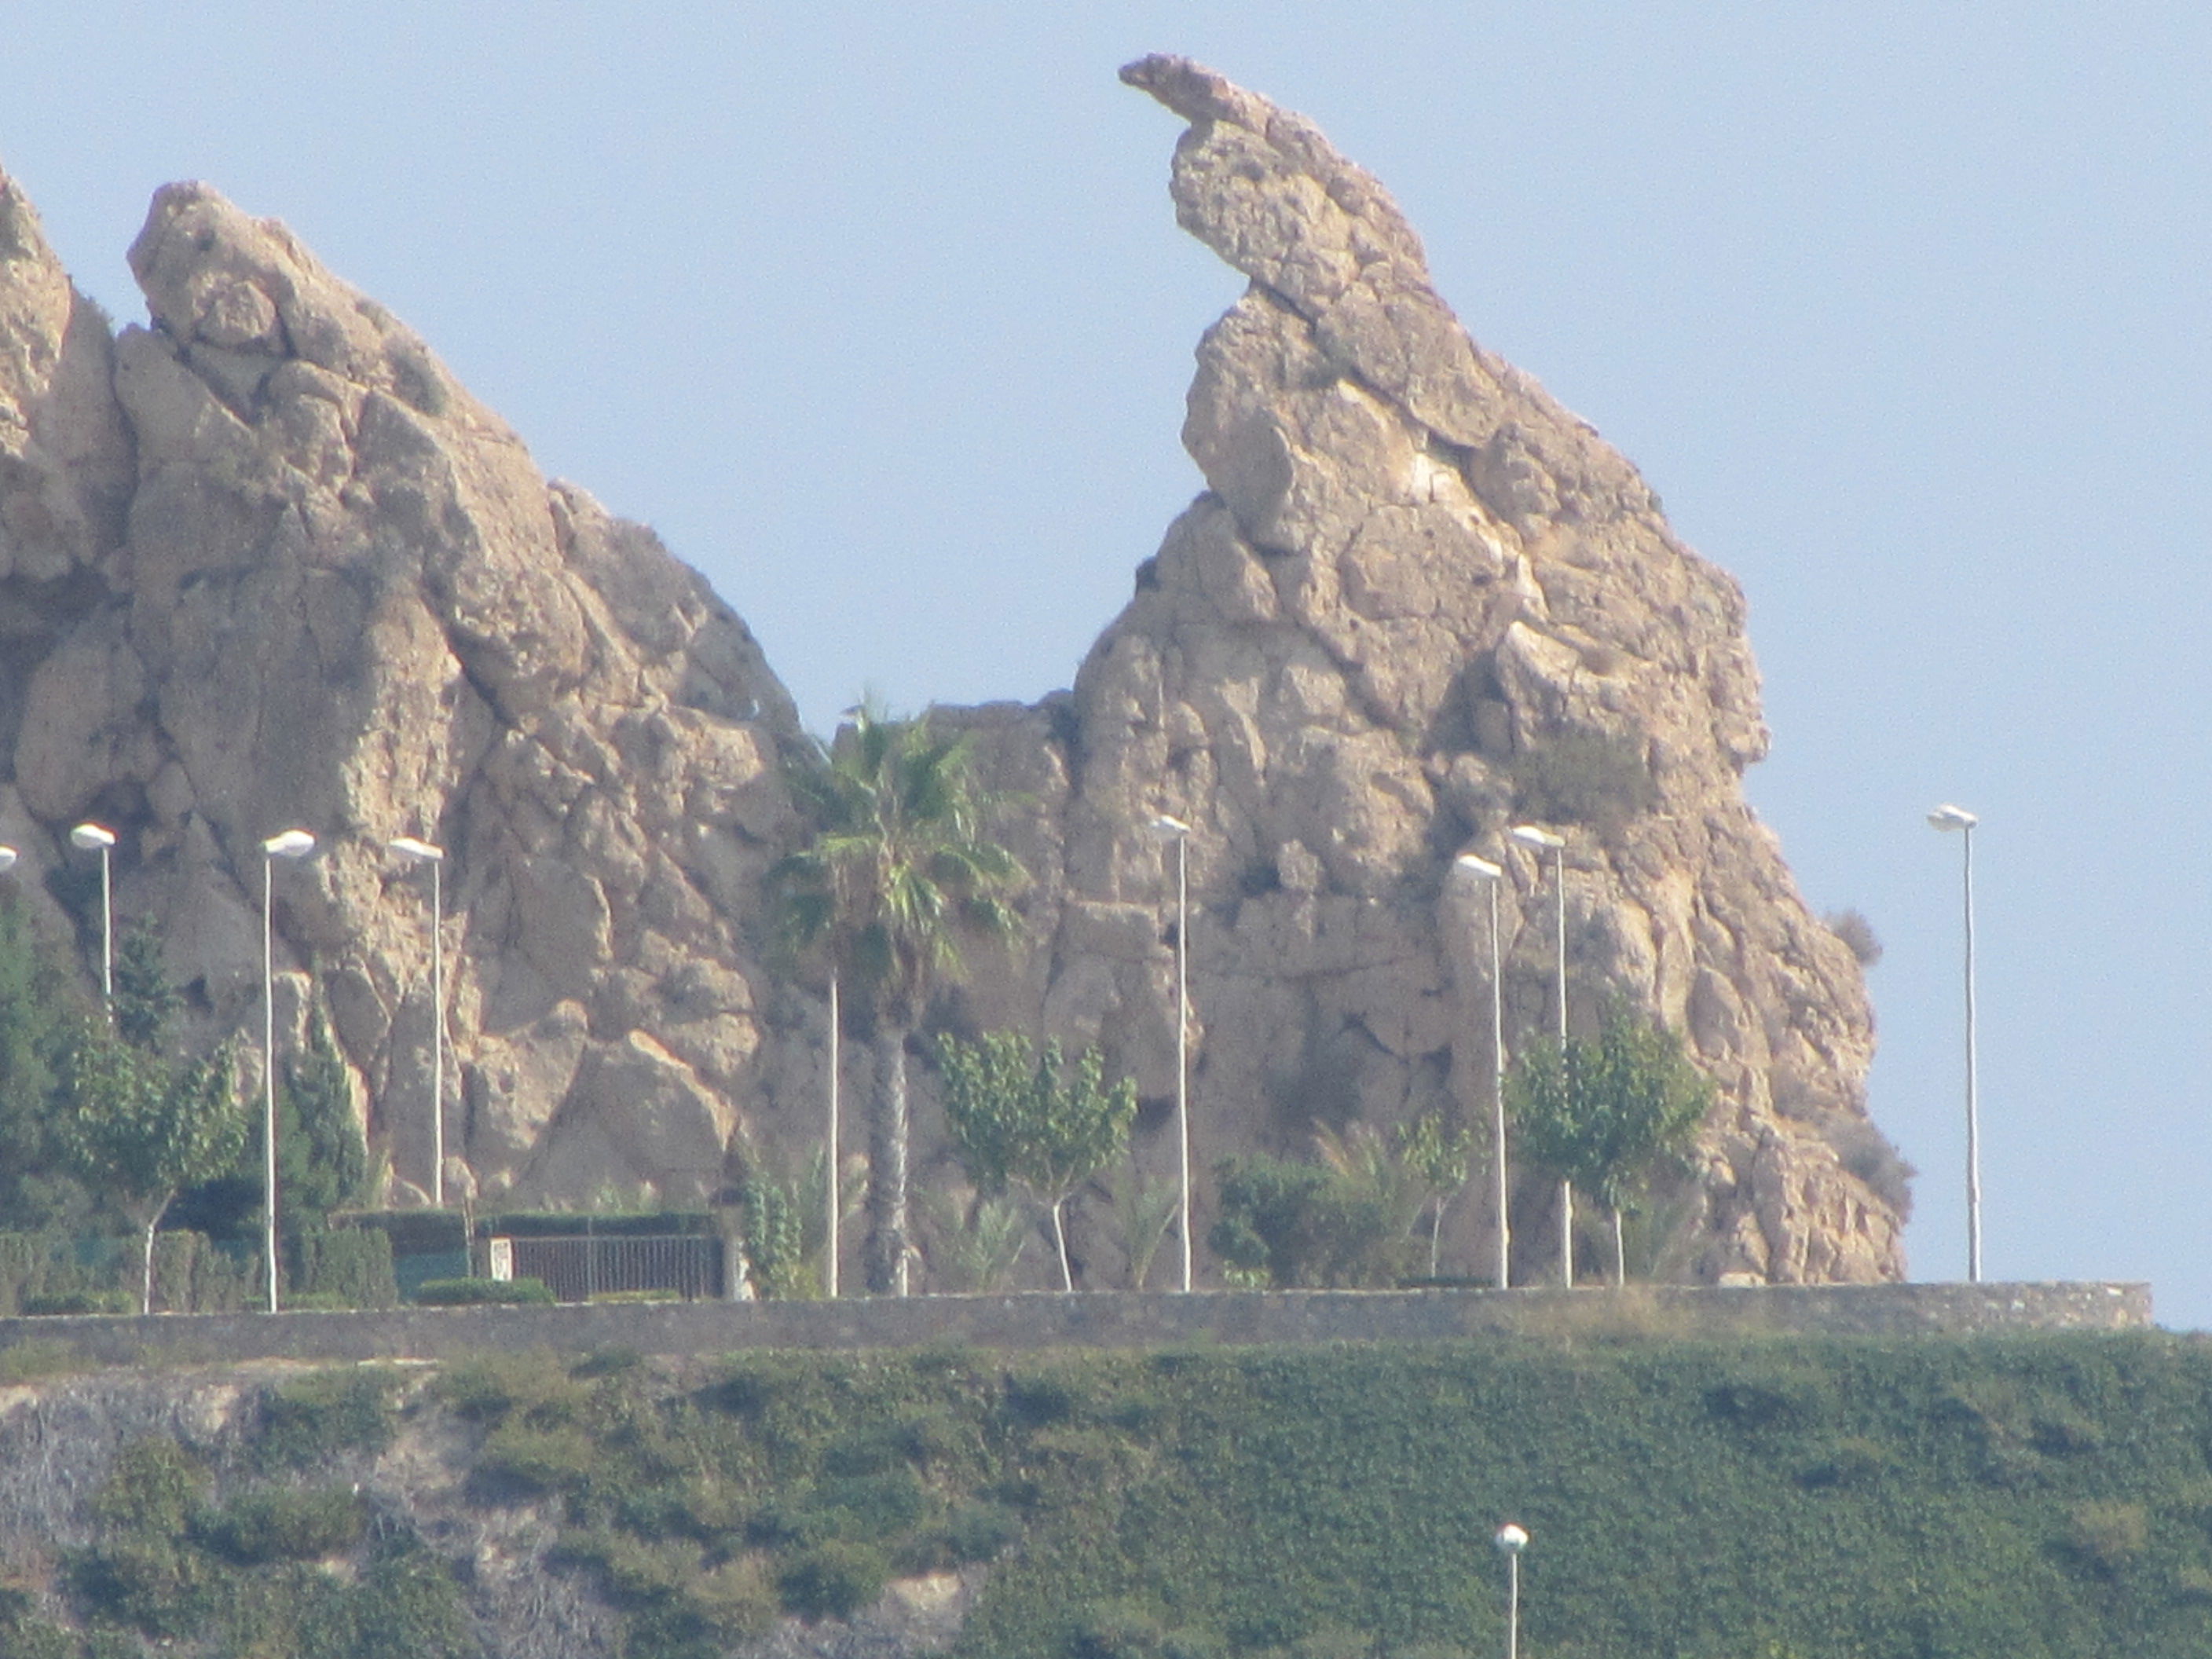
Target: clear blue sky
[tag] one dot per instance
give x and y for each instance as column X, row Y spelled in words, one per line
column 880, row 315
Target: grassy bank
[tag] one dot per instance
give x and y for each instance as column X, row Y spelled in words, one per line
column 2019, row 1497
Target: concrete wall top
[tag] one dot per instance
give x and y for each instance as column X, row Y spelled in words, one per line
column 1100, row 1319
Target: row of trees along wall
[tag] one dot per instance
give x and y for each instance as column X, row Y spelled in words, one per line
column 898, row 873
column 107, row 1126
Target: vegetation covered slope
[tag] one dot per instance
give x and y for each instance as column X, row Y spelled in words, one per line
column 2023, row 1497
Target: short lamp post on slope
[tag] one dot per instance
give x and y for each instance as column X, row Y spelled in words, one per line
column 1511, row 1540
column 86, row 837
column 421, row 852
column 1489, row 875
column 292, row 844
column 1542, row 842
column 1167, row 828
column 1947, row 817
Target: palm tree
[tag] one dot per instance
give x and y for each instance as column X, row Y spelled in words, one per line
column 896, row 871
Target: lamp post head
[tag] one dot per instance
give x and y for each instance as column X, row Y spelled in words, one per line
column 1529, row 835
column 292, row 844
column 1948, row 817
column 408, row 847
column 1512, row 1538
column 1481, row 869
column 1167, row 828
column 7, row 857
column 89, row 835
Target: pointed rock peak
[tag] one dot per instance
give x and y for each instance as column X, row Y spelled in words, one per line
column 1287, row 144
column 219, row 281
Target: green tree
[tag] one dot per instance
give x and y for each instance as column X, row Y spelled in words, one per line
column 1603, row 1114
column 322, row 1161
column 1020, row 1114
column 140, row 1128
column 895, row 872
column 35, row 1025
column 146, row 1003
column 1436, row 1154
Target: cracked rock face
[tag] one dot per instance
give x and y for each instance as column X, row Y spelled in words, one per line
column 264, row 563
column 1417, row 604
column 331, row 590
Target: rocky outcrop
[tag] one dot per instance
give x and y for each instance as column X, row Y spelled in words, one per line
column 341, row 596
column 1419, row 603
column 264, row 564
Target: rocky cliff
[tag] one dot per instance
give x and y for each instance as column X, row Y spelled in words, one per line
column 263, row 562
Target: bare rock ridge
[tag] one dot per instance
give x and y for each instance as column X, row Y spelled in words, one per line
column 264, row 564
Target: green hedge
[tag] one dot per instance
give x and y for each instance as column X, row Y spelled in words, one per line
column 480, row 1292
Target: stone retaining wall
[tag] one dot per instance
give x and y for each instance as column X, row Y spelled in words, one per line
column 1103, row 1320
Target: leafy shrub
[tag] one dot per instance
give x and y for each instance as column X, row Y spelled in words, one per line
column 351, row 1266
column 978, row 1530
column 2105, row 1536
column 483, row 1292
column 1856, row 931
column 834, row 1579
column 1867, row 1153
column 522, row 1459
column 151, row 1487
column 308, row 1423
column 1596, row 778
column 282, row 1526
column 78, row 1302
column 1306, row 1225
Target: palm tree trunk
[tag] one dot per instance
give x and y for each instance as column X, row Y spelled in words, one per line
column 1060, row 1239
column 887, row 1139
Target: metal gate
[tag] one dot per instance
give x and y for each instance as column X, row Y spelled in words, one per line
column 576, row 1269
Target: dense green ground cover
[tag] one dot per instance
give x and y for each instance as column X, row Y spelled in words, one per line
column 2022, row 1497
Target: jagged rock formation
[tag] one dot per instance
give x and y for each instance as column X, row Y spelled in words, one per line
column 1417, row 602
column 264, row 563
column 341, row 596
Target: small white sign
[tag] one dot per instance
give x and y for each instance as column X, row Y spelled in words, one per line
column 500, row 1257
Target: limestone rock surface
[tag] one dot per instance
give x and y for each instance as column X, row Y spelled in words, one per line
column 270, row 567
column 263, row 562
column 1419, row 603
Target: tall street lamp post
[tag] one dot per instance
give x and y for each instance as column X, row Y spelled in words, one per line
column 835, row 1197
column 1175, row 829
column 1511, row 1540
column 1949, row 818
column 1543, row 841
column 88, row 836
column 423, row 852
column 292, row 844
column 1489, row 875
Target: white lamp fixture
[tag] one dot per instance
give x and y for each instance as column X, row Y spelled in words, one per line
column 421, row 852
column 1166, row 828
column 292, row 844
column 86, row 837
column 1511, row 1540
column 1489, row 875
column 7, row 857
column 1544, row 841
column 1949, row 818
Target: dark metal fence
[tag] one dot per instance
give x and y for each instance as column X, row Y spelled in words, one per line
column 576, row 1269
